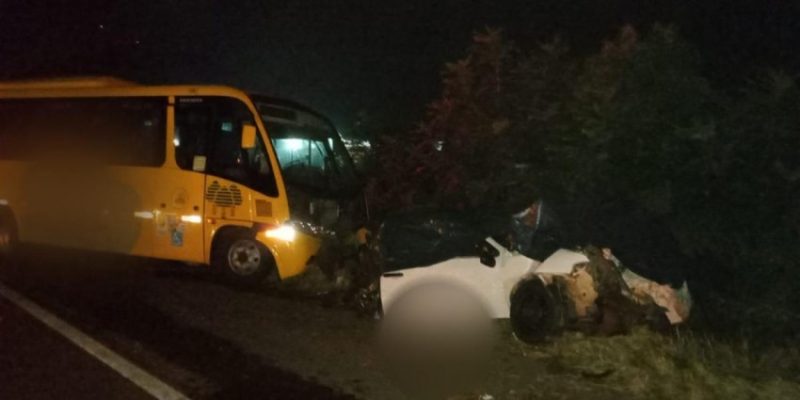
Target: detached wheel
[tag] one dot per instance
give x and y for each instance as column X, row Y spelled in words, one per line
column 535, row 313
column 243, row 260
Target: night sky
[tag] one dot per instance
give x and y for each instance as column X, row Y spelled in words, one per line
column 344, row 56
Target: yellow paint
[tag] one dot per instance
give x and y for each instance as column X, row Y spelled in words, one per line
column 292, row 256
column 156, row 200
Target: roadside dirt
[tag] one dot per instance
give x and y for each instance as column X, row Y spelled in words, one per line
column 338, row 348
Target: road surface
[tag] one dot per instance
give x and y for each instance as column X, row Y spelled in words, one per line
column 176, row 323
column 207, row 340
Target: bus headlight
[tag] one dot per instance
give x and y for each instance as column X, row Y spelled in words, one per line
column 285, row 233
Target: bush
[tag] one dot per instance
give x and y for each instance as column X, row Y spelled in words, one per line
column 639, row 125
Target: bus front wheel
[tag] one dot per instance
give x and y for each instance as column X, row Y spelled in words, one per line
column 243, row 260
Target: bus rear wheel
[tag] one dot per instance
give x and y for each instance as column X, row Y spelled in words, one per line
column 243, row 260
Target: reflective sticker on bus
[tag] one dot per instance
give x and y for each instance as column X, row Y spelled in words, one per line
column 176, row 235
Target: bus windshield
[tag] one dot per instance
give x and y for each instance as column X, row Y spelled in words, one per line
column 310, row 152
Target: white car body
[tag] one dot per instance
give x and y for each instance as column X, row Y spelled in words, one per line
column 491, row 285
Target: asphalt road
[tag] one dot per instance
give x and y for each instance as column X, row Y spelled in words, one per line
column 208, row 340
column 37, row 363
column 161, row 317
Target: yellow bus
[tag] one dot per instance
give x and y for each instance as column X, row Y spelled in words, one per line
column 202, row 174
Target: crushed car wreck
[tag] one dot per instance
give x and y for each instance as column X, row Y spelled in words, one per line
column 587, row 289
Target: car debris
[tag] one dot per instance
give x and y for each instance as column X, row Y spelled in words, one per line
column 584, row 288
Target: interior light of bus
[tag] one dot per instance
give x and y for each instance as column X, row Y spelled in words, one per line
column 294, row 144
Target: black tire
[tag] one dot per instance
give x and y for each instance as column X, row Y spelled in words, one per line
column 243, row 260
column 536, row 313
column 657, row 319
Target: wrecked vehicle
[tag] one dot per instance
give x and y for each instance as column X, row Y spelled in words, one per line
column 588, row 289
column 591, row 291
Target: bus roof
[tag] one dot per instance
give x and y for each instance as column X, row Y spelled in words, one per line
column 107, row 86
column 66, row 83
column 94, row 86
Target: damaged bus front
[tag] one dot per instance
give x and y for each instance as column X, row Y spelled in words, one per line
column 323, row 188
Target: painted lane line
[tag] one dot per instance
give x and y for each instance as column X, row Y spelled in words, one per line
column 138, row 376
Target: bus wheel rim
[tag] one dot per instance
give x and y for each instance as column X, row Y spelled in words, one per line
column 244, row 257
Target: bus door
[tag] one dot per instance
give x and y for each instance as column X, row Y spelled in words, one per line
column 179, row 217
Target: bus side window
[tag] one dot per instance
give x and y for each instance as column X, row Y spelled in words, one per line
column 15, row 120
column 115, row 131
column 138, row 126
column 193, row 124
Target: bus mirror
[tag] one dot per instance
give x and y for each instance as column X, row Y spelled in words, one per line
column 248, row 136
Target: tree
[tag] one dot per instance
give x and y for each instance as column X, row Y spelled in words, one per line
column 636, row 128
column 482, row 139
column 453, row 156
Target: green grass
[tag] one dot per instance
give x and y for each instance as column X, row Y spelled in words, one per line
column 652, row 366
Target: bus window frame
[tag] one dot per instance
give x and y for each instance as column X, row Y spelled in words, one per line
column 261, row 134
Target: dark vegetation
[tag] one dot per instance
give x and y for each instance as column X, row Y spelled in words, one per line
column 643, row 128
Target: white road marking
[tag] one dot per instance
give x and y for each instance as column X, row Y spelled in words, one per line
column 138, row 376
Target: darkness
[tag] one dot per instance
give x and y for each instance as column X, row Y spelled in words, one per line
column 381, row 59
column 682, row 163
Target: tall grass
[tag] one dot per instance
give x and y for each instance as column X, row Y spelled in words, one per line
column 684, row 366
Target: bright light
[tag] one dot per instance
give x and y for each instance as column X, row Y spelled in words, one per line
column 351, row 143
column 283, row 232
column 143, row 214
column 294, row 144
column 194, row 219
column 176, row 141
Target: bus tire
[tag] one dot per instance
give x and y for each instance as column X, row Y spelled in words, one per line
column 243, row 260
